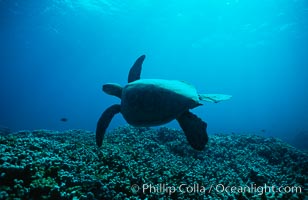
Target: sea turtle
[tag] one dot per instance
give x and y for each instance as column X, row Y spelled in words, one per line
column 152, row 102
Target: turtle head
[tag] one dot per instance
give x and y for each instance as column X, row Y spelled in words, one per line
column 113, row 89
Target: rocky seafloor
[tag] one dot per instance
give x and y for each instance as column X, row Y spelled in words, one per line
column 139, row 163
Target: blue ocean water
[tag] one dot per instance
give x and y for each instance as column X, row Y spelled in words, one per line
column 55, row 56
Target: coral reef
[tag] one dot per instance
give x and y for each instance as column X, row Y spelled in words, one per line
column 143, row 163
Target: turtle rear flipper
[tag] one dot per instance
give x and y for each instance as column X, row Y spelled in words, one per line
column 194, row 129
column 104, row 122
column 135, row 70
column 214, row 98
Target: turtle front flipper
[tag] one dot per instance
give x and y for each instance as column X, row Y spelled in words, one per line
column 135, row 70
column 104, row 122
column 194, row 129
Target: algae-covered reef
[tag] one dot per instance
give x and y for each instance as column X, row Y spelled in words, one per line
column 141, row 163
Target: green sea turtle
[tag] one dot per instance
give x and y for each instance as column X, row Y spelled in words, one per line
column 152, row 102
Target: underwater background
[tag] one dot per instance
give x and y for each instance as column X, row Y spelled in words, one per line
column 55, row 56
